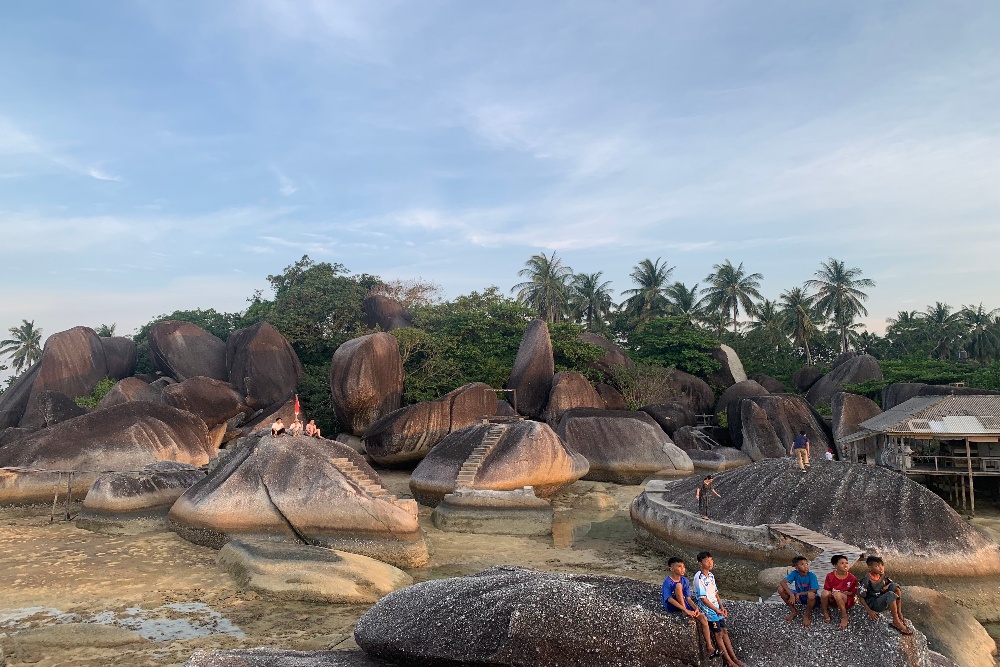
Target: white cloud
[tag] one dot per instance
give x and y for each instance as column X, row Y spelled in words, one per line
column 285, row 185
column 101, row 175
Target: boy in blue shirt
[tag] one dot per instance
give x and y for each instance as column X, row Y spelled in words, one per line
column 799, row 587
column 676, row 598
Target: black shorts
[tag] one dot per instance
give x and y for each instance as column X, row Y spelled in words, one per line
column 880, row 603
column 717, row 626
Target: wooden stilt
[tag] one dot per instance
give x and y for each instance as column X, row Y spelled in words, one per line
column 69, row 492
column 55, row 499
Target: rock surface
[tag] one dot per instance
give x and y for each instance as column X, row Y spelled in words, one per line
column 570, row 390
column 525, row 618
column 527, row 454
column 693, row 392
column 366, row 381
column 184, row 350
column 717, row 459
column 14, row 400
column 300, row 490
column 121, row 356
column 671, row 416
column 787, row 415
column 767, row 382
column 312, row 574
column 849, row 410
column 534, row 368
column 270, row 657
column 261, row 365
column 826, row 498
column 622, row 447
column 612, row 359
column 406, row 435
column 124, row 437
column 950, row 629
column 54, row 407
column 385, row 313
column 213, row 401
column 732, row 368
column 613, row 399
column 851, row 371
column 72, row 363
column 757, row 436
column 729, row 403
column 806, row 377
column 129, row 503
column 129, row 390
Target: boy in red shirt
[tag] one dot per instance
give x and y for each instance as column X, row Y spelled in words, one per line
column 840, row 586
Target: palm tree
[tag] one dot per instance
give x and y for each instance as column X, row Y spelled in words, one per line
column 649, row 296
column 25, row 345
column 685, row 302
column 799, row 311
column 731, row 287
column 904, row 331
column 983, row 341
column 771, row 320
column 839, row 295
column 590, row 299
column 943, row 328
column 547, row 289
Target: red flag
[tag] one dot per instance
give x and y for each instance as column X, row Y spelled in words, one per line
column 297, row 410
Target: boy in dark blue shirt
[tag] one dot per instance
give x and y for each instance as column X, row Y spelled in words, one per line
column 676, row 598
column 799, row 587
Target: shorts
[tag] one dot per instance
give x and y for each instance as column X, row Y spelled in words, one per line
column 802, row 598
column 717, row 626
column 882, row 602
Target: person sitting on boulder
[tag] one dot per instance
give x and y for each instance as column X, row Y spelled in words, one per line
column 707, row 595
column 878, row 592
column 799, row 587
column 677, row 599
column 842, row 587
column 296, row 428
column 701, row 493
column 800, row 450
column 312, row 430
column 277, row 428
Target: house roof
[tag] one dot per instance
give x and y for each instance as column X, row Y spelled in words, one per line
column 955, row 416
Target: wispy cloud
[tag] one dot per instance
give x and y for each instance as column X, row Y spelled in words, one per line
column 101, row 175
column 285, row 185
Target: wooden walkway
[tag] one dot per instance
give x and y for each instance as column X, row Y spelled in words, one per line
column 789, row 533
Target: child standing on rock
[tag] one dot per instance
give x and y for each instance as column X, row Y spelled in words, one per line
column 701, row 493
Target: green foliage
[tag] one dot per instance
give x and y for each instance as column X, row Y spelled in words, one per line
column 24, row 347
column 675, row 342
column 644, row 384
column 824, row 410
column 987, row 377
column 570, row 352
column 315, row 398
column 106, row 330
column 759, row 354
column 722, row 419
column 99, row 392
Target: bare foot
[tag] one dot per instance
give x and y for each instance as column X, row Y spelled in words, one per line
column 704, row 516
column 902, row 629
column 806, row 621
column 843, row 623
column 791, row 616
column 826, row 617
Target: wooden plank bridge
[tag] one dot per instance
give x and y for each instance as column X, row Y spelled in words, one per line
column 792, row 533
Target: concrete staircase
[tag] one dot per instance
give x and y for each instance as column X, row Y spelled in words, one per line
column 704, row 438
column 789, row 533
column 467, row 473
column 366, row 484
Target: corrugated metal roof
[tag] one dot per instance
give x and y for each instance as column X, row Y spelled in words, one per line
column 903, row 411
column 955, row 415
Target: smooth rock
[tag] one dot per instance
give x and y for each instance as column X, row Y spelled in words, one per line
column 262, row 366
column 570, row 390
column 385, row 313
column 718, row 459
column 72, row 363
column 769, row 383
column 787, row 415
column 613, row 399
column 692, row 391
column 671, row 416
column 270, row 657
column 612, row 359
column 731, row 370
column 55, row 407
column 534, row 368
column 757, row 436
column 184, row 350
column 14, row 399
column 804, row 378
column 729, row 403
column 121, row 356
column 129, row 390
column 366, row 381
column 852, row 371
column 516, row 512
column 213, row 401
column 849, row 410
column 951, row 630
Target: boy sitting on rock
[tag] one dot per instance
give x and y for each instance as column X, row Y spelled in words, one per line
column 799, row 587
column 707, row 594
column 677, row 599
column 877, row 593
column 840, row 587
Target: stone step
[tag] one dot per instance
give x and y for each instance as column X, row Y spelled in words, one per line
column 340, row 461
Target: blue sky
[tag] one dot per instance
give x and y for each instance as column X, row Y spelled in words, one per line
column 166, row 155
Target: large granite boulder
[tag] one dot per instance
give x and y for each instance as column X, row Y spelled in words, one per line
column 133, row 502
column 72, row 363
column 385, row 313
column 262, row 366
column 757, row 436
column 717, row 459
column 121, row 356
column 212, row 400
column 406, row 435
column 844, row 357
column 767, row 382
column 613, row 399
column 804, row 378
column 518, row 617
column 534, row 368
column 671, row 416
column 273, row 657
column 366, row 381
column 729, row 403
column 912, row 528
column 123, row 437
column 54, row 407
column 184, row 350
column 622, row 447
column 731, row 370
column 570, row 390
column 14, row 400
column 284, row 571
column 499, row 457
column 788, row 415
column 851, row 371
column 692, row 391
column 950, row 628
column 612, row 359
column 129, row 390
column 300, row 490
column 849, row 410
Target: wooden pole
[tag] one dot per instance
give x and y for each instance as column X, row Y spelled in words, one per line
column 972, row 489
column 961, row 482
column 69, row 493
column 55, row 499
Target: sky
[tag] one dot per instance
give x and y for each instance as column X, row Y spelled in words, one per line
column 157, row 156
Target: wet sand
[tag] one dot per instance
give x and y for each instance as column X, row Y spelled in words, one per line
column 61, row 587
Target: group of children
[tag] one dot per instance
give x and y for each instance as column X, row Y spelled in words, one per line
column 699, row 598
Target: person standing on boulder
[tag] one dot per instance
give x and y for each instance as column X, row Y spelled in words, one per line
column 840, row 586
column 707, row 594
column 676, row 599
column 800, row 450
column 799, row 587
column 701, row 493
column 878, row 592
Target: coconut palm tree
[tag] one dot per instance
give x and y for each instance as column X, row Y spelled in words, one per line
column 649, row 296
column 798, row 307
column 24, row 347
column 685, row 302
column 590, row 299
column 839, row 295
column 770, row 319
column 547, row 287
column 731, row 287
column 943, row 328
column 983, row 341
